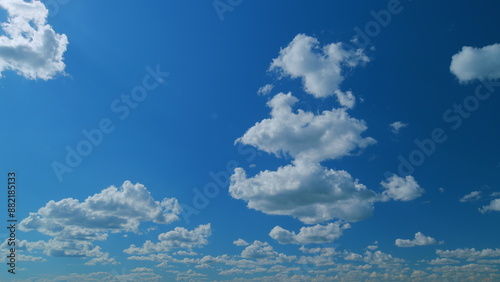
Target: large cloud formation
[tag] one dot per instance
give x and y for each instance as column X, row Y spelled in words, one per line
column 305, row 136
column 30, row 46
column 321, row 69
column 307, row 191
column 476, row 63
column 113, row 209
column 75, row 225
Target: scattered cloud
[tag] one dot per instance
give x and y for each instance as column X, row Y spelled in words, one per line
column 470, row 254
column 29, row 45
column 259, row 250
column 265, row 90
column 74, row 225
column 476, row 63
column 396, row 126
column 495, row 194
column 420, row 240
column 401, row 189
column 306, row 136
column 321, row 69
column 240, row 242
column 316, row 234
column 113, row 209
column 178, row 238
column 443, row 261
column 472, row 196
column 493, row 206
column 377, row 257
column 306, row 191
column 64, row 248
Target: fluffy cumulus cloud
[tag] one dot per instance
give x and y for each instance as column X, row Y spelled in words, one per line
column 316, row 234
column 66, row 248
column 113, row 209
column 377, row 257
column 469, row 254
column 264, row 254
column 396, row 126
column 472, row 196
column 240, row 242
column 476, row 63
column 29, row 45
column 178, row 238
column 307, row 191
column 420, row 240
column 259, row 250
column 74, row 225
column 443, row 261
column 493, row 206
column 305, row 136
column 401, row 189
column 321, row 69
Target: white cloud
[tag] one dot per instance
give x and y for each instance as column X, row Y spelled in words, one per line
column 469, row 254
column 321, row 69
column 443, row 261
column 396, row 126
column 472, row 196
column 306, row 136
column 66, row 248
column 186, row 253
column 177, row 238
column 30, row 46
column 112, row 276
column 265, row 90
column 378, row 257
column 323, row 251
column 476, row 63
column 74, row 225
column 420, row 240
column 316, row 234
column 259, row 250
column 21, row 257
column 306, row 191
column 104, row 259
column 113, row 209
column 141, row 269
column 493, row 206
column 402, row 189
column 241, row 242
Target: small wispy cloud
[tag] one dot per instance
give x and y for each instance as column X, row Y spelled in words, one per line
column 397, row 126
column 471, row 197
column 265, row 90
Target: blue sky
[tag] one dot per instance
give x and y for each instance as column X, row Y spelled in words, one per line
column 248, row 140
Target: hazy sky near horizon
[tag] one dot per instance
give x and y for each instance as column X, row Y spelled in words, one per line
column 234, row 140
